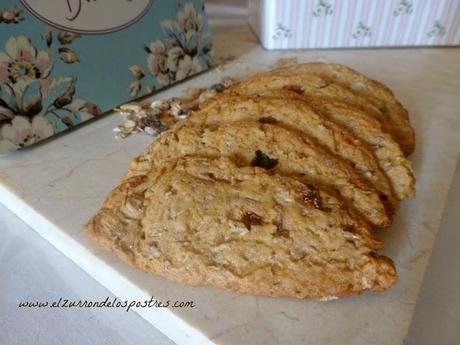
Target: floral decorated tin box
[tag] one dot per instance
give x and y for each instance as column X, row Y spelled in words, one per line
column 297, row 24
column 63, row 62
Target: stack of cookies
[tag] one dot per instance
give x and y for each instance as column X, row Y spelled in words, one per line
column 275, row 186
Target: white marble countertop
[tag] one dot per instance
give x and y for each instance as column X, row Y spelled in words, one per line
column 56, row 186
column 31, row 268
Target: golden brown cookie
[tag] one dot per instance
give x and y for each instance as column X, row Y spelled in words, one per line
column 282, row 107
column 377, row 93
column 306, row 84
column 282, row 150
column 207, row 221
column 359, row 123
column 391, row 159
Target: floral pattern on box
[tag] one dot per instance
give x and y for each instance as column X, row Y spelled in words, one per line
column 404, row 7
column 34, row 103
column 10, row 15
column 437, row 30
column 297, row 24
column 186, row 50
column 282, row 31
column 362, row 30
column 53, row 79
column 323, row 8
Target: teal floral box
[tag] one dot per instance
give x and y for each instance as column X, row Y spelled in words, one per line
column 64, row 62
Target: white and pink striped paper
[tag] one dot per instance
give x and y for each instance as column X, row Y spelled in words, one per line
column 296, row 24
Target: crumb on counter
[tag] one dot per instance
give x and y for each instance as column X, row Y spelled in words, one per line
column 157, row 116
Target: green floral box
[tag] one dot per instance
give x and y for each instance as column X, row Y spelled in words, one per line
column 64, row 62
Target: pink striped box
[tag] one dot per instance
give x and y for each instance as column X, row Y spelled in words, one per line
column 297, row 24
